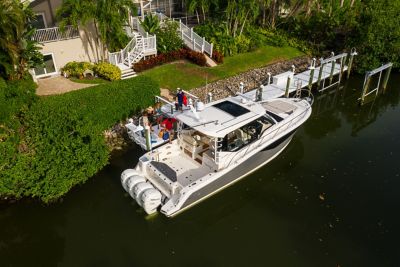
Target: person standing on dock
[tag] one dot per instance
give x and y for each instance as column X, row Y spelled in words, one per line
column 180, row 95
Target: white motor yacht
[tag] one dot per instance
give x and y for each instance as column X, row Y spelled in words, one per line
column 217, row 144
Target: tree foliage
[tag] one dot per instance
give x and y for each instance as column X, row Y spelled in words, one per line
column 18, row 52
column 372, row 26
column 58, row 142
column 151, row 24
column 108, row 17
column 168, row 39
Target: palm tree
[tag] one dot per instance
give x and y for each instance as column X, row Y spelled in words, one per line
column 108, row 17
column 18, row 52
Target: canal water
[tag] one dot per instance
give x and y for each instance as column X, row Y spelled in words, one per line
column 332, row 198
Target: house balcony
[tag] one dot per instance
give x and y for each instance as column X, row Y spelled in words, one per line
column 55, row 34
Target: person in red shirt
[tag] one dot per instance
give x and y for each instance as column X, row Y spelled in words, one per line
column 168, row 123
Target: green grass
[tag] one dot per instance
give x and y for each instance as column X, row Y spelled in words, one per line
column 89, row 81
column 188, row 76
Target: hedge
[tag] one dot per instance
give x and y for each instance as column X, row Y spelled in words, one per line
column 62, row 140
column 183, row 53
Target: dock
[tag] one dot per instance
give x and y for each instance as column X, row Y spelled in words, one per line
column 289, row 82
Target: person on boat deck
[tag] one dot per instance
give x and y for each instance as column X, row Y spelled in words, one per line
column 145, row 119
column 179, row 97
column 168, row 123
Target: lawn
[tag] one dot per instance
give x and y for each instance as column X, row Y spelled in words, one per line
column 188, row 76
column 89, row 81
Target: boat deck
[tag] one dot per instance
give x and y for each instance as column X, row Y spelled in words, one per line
column 180, row 167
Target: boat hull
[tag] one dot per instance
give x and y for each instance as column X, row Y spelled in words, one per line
column 252, row 164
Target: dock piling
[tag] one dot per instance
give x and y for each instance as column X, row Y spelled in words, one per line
column 287, row 87
column 259, row 93
column 386, row 78
column 147, row 134
column 350, row 65
column 209, row 97
column 366, row 86
column 369, row 75
column 312, row 70
column 321, row 68
column 332, row 71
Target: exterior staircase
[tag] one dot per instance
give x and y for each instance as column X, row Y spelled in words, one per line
column 137, row 48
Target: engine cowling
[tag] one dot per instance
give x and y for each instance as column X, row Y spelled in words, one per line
column 150, row 200
column 133, row 181
column 125, row 175
column 138, row 190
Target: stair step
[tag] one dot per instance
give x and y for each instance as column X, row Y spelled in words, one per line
column 128, row 75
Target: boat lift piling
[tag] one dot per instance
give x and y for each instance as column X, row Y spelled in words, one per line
column 312, row 69
column 367, row 81
column 336, row 68
column 288, row 87
column 353, row 53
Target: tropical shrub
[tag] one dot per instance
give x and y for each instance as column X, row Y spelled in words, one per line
column 14, row 97
column 76, row 69
column 195, row 57
column 167, row 37
column 107, row 71
column 60, row 139
column 218, row 57
column 150, row 24
column 184, row 53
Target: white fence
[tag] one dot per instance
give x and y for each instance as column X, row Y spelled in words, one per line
column 55, row 34
column 189, row 37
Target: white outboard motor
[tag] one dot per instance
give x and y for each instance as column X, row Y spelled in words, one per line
column 150, row 200
column 138, row 189
column 133, row 181
column 125, row 175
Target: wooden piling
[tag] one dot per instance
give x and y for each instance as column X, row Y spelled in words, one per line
column 321, row 68
column 350, row 66
column 365, row 89
column 310, row 82
column 341, row 68
column 386, row 78
column 332, row 71
column 147, row 134
column 259, row 93
column 287, row 87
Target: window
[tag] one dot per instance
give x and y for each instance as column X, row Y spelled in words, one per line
column 39, row 22
column 49, row 66
column 231, row 108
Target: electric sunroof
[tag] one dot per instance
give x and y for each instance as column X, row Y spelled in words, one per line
column 231, row 108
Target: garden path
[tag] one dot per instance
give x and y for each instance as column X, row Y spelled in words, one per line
column 58, row 85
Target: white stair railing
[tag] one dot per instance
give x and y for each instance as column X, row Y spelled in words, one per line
column 189, row 37
column 120, row 56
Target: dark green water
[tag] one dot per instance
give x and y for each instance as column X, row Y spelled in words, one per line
column 332, row 198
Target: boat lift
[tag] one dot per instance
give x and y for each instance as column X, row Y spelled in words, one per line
column 387, row 68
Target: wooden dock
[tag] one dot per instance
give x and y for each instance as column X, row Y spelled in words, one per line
column 288, row 82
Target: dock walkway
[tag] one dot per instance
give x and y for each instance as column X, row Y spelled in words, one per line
column 277, row 88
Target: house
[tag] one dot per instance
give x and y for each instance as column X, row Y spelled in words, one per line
column 83, row 44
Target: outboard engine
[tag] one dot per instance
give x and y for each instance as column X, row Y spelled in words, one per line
column 142, row 191
column 133, row 181
column 151, row 199
column 125, row 175
column 138, row 190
